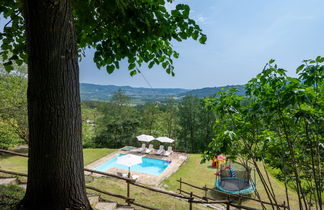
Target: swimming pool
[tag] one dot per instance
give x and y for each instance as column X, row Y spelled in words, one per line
column 148, row 165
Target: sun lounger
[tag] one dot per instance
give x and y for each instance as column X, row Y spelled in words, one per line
column 143, row 148
column 150, row 149
column 160, row 151
column 135, row 177
column 169, row 151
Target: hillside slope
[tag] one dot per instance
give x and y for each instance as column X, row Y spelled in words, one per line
column 94, row 92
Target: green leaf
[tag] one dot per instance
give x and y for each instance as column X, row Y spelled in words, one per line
column 110, row 69
column 203, row 39
column 271, row 61
column 131, row 66
column 165, row 64
column 300, row 68
column 294, row 80
column 195, row 35
column 151, row 64
column 8, row 66
column 175, row 55
column 133, row 73
column 318, row 59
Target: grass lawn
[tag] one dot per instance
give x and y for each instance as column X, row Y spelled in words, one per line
column 202, row 174
column 19, row 164
column 91, row 155
column 191, row 171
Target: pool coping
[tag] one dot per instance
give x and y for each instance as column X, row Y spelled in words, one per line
column 177, row 159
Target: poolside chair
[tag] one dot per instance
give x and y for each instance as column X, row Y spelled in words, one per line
column 150, row 149
column 160, row 151
column 125, row 175
column 169, row 151
column 143, row 148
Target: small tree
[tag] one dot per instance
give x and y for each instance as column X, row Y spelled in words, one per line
column 277, row 123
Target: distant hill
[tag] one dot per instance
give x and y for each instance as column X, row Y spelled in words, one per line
column 139, row 95
column 94, row 92
column 208, row 91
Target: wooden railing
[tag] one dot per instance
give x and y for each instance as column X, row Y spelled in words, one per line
column 189, row 197
column 230, row 202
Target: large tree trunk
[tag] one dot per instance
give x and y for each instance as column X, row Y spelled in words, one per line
column 55, row 165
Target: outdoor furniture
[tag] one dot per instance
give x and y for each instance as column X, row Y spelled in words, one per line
column 143, row 148
column 150, row 149
column 145, row 138
column 160, row 151
column 165, row 139
column 127, row 148
column 135, row 177
column 129, row 160
column 169, row 151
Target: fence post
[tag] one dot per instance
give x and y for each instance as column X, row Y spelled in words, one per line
column 228, row 203
column 128, row 189
column 205, row 188
column 190, row 201
column 284, row 203
column 180, row 184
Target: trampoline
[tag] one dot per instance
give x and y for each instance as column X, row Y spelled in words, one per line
column 235, row 179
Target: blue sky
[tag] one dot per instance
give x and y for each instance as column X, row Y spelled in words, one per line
column 242, row 36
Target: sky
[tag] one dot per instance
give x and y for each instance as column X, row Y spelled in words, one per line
column 242, row 36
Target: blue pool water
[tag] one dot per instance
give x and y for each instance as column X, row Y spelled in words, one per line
column 148, row 165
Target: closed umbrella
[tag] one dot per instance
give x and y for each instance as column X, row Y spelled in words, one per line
column 145, row 138
column 129, row 160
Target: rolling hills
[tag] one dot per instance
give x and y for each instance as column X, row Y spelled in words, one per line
column 95, row 92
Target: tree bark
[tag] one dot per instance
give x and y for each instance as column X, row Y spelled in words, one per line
column 55, row 165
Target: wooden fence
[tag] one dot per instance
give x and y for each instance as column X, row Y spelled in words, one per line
column 189, row 197
column 205, row 190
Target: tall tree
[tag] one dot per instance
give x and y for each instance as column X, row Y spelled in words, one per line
column 118, row 123
column 188, row 120
column 170, row 118
column 55, row 164
column 150, row 117
column 141, row 31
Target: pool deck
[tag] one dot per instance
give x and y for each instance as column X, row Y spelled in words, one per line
column 177, row 159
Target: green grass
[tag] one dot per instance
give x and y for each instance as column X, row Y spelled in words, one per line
column 91, row 155
column 142, row 196
column 19, row 164
column 191, row 171
column 13, row 163
column 202, row 174
column 10, row 196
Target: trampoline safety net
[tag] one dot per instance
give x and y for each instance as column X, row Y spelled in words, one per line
column 235, row 178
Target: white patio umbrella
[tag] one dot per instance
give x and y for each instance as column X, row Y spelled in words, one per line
column 129, row 160
column 145, row 138
column 164, row 139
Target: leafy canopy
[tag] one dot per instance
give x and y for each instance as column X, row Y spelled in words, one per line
column 140, row 30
